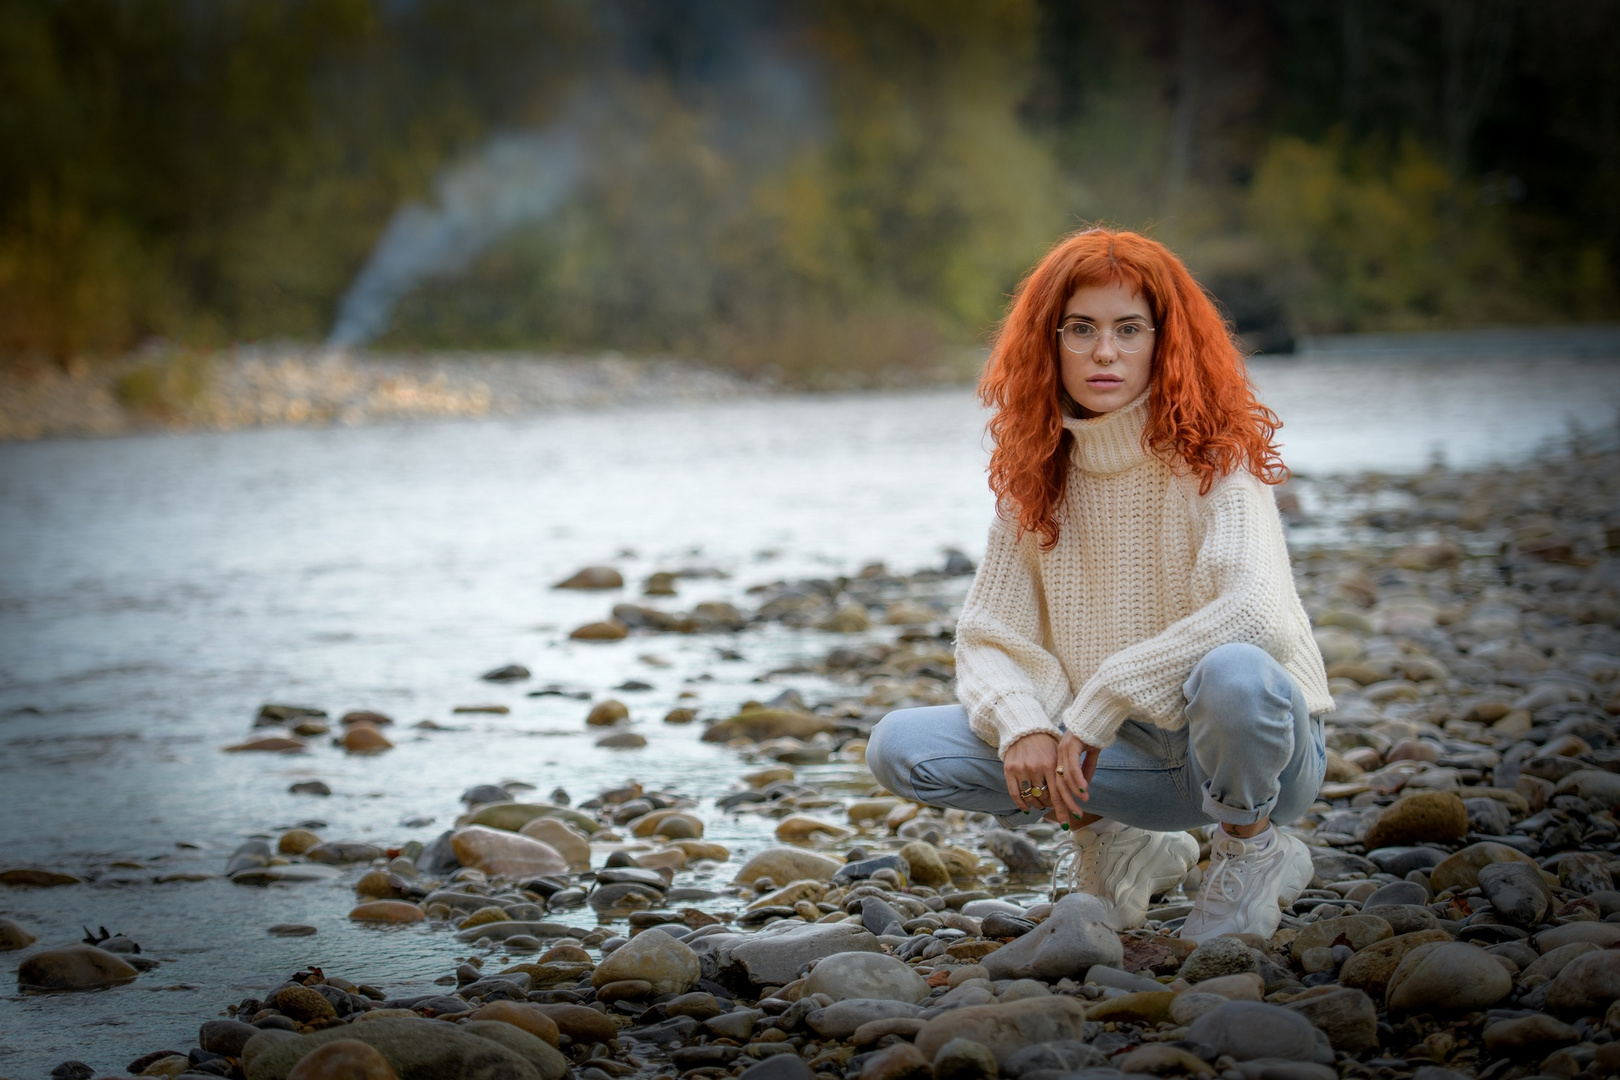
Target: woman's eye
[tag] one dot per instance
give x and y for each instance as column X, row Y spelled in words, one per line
column 1128, row 330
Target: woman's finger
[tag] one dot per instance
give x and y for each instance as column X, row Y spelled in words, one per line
column 1070, row 784
column 1014, row 784
column 1089, row 769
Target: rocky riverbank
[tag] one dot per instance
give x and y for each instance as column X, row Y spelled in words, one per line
column 1463, row 920
column 286, row 386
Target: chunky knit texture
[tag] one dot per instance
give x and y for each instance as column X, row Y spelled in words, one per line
column 1147, row 576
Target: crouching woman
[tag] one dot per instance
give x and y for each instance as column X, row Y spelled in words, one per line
column 1132, row 658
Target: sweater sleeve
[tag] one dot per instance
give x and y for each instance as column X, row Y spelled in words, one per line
column 1006, row 678
column 1242, row 562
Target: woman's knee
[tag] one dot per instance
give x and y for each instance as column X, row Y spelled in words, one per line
column 882, row 749
column 1238, row 685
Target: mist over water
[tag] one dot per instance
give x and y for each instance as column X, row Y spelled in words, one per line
column 157, row 590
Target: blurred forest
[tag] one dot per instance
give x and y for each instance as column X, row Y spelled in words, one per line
column 805, row 187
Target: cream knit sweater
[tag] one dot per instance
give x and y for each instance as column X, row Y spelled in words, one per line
column 1147, row 577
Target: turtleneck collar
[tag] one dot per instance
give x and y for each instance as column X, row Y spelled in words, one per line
column 1111, row 442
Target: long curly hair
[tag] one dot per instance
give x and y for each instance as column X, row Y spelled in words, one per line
column 1202, row 410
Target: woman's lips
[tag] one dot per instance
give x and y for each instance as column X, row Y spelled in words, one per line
column 1104, row 382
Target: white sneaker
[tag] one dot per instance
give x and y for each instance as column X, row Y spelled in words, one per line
column 1126, row 868
column 1245, row 888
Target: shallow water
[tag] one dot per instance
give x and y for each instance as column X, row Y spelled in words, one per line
column 155, row 591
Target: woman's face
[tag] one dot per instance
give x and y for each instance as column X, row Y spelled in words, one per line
column 1097, row 318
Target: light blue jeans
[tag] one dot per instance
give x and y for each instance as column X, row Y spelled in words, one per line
column 1249, row 749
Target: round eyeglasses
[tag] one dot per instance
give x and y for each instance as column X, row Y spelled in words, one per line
column 1082, row 337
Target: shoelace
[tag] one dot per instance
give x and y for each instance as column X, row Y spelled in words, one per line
column 1223, row 875
column 1076, row 872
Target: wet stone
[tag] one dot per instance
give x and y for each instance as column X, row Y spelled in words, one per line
column 1073, row 938
column 1250, row 1029
column 865, row 975
column 73, row 967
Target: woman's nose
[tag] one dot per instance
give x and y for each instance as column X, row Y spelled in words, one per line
column 1104, row 350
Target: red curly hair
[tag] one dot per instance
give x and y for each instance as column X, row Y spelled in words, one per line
column 1202, row 409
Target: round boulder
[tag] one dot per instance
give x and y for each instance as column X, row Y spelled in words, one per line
column 1252, row 1029
column 653, row 956
column 1449, row 976
column 73, row 967
column 345, row 1059
column 1417, row 818
column 865, row 975
column 1587, row 985
column 505, row 854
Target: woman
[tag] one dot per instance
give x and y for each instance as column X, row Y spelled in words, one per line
column 1132, row 658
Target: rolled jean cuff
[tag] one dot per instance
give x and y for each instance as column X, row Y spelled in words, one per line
column 1232, row 815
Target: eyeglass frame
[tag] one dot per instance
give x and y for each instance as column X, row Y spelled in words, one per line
column 1100, row 332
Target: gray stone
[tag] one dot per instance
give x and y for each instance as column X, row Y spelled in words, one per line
column 546, row 1059
column 840, row 1019
column 1488, row 817
column 1401, row 861
column 1006, row 1029
column 1397, row 892
column 416, row 1049
column 1528, row 1035
column 1438, row 1072
column 1587, row 985
column 1348, row 1018
column 1216, row 957
column 1282, row 1069
column 1105, row 975
column 1584, row 873
column 1072, row 939
column 1334, row 865
column 1016, row 852
column 737, row 1025
column 1019, row 989
column 225, row 1037
column 1191, row 1005
column 1404, row 918
column 964, row 1059
column 879, row 917
column 774, row 955
column 1517, row 893
column 865, row 975
column 777, row 1067
column 1597, row 786
column 1601, row 934
column 1253, row 1029
column 1067, row 1055
column 1447, row 976
column 1548, row 966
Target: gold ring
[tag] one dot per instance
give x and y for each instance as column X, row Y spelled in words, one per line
column 1038, row 792
column 1060, row 770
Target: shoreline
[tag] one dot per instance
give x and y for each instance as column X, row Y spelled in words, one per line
column 266, row 387
column 317, row 387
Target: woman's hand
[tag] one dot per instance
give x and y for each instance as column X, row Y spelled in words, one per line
column 1075, row 765
column 1031, row 763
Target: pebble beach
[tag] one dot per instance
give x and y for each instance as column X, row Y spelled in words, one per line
column 1463, row 920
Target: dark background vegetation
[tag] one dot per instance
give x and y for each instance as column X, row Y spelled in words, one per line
column 807, row 187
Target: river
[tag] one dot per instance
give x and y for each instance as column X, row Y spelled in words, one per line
column 156, row 590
